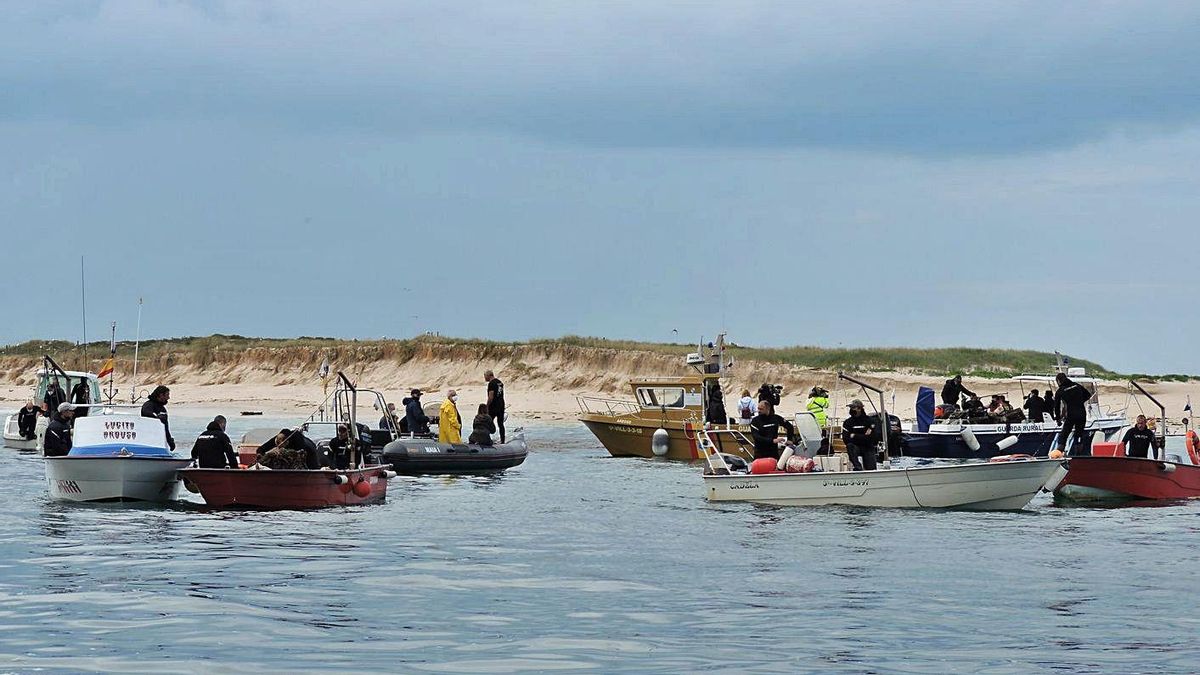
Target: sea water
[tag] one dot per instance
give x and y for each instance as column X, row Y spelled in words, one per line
column 576, row 561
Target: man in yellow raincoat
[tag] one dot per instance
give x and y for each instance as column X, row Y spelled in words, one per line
column 449, row 422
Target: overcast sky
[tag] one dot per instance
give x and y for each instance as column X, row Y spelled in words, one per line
column 1013, row 174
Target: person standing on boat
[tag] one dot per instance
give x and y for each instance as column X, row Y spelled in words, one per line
column 213, row 449
column 818, row 405
column 482, row 428
column 1035, row 405
column 1071, row 403
column 1049, row 399
column 156, row 407
column 715, row 413
column 58, row 435
column 764, row 429
column 449, row 421
column 340, row 447
column 81, row 395
column 1139, row 439
column 495, row 401
column 414, row 414
column 858, row 433
column 53, row 399
column 388, row 421
column 953, row 390
column 27, row 421
column 746, row 408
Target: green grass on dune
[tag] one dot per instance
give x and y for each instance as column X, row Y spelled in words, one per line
column 975, row 362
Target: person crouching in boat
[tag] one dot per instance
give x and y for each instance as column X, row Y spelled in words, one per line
column 289, row 450
column 764, row 429
column 1140, row 439
column 213, row 449
column 58, row 435
column 482, row 428
column 449, row 421
column 27, row 421
column 858, row 433
column 341, row 447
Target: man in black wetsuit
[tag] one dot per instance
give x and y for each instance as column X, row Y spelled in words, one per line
column 1071, row 403
column 156, row 407
column 213, row 449
column 27, row 421
column 953, row 390
column 81, row 394
column 54, row 397
column 58, row 435
column 860, row 437
column 495, row 401
column 1140, row 439
column 339, row 447
column 764, row 429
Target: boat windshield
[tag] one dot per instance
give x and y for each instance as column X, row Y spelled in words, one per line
column 660, row 397
column 67, row 385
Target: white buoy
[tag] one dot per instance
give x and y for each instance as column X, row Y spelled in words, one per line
column 968, row 437
column 340, row 479
column 784, row 457
column 1006, row 443
column 660, row 443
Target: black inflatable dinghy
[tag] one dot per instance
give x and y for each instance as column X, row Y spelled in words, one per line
column 415, row 456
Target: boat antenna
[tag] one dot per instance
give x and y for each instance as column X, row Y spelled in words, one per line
column 136, row 342
column 83, row 303
column 110, row 365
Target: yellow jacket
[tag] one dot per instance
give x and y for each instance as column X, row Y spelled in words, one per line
column 817, row 405
column 449, row 424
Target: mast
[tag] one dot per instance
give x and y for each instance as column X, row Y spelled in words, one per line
column 137, row 341
column 83, row 297
column 112, row 361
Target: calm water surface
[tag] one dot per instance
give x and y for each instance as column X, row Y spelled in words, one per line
column 576, row 561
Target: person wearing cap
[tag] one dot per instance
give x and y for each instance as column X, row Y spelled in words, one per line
column 449, row 421
column 156, row 407
column 54, row 397
column 58, row 435
column 27, row 421
column 414, row 415
column 764, row 430
column 213, row 449
column 860, row 437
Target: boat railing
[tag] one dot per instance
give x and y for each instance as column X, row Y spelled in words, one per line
column 712, row 443
column 612, row 407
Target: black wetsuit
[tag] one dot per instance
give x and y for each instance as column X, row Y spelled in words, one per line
column 1139, row 441
column 158, row 411
column 764, row 429
column 1071, row 403
column 54, row 398
column 1036, row 405
column 859, row 444
column 27, row 422
column 953, row 390
column 496, row 407
column 214, row 450
column 339, row 448
column 58, row 438
column 1049, row 400
column 81, row 396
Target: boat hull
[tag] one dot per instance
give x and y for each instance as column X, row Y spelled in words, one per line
column 281, row 489
column 1093, row 478
column 426, row 456
column 992, row 486
column 1039, row 443
column 13, row 438
column 110, row 479
column 630, row 437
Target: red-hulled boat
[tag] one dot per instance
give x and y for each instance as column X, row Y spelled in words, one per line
column 1109, row 474
column 288, row 489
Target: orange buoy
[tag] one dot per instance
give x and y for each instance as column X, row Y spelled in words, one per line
column 362, row 488
column 1056, row 454
column 763, row 465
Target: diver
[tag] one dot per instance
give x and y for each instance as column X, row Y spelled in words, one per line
column 764, row 429
column 1139, row 439
column 213, row 449
column 340, row 448
column 156, row 407
column 482, row 428
column 953, row 390
column 27, row 421
column 53, row 399
column 58, row 435
column 858, row 433
column 495, row 401
column 1071, row 403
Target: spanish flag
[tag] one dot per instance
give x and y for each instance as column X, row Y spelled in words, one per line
column 106, row 369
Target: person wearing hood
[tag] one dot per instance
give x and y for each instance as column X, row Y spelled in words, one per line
column 54, row 397
column 818, row 405
column 156, row 407
column 953, row 390
column 81, row 395
column 1071, row 404
column 449, row 421
column 213, row 449
column 58, row 435
column 414, row 415
column 715, row 414
column 27, row 421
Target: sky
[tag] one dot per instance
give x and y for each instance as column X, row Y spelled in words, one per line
column 993, row 174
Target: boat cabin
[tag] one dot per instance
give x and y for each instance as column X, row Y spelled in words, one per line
column 73, row 378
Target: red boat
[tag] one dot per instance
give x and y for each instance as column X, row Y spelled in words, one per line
column 288, row 489
column 1129, row 477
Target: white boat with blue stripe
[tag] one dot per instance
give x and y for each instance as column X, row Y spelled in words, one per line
column 116, row 455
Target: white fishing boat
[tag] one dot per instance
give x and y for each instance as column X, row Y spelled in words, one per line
column 995, row 485
column 66, row 381
column 117, row 455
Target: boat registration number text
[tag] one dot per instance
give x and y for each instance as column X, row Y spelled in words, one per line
column 625, row 430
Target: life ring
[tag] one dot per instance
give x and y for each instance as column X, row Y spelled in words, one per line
column 1010, row 458
column 1193, row 446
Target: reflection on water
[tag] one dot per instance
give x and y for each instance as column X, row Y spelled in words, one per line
column 576, row 561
